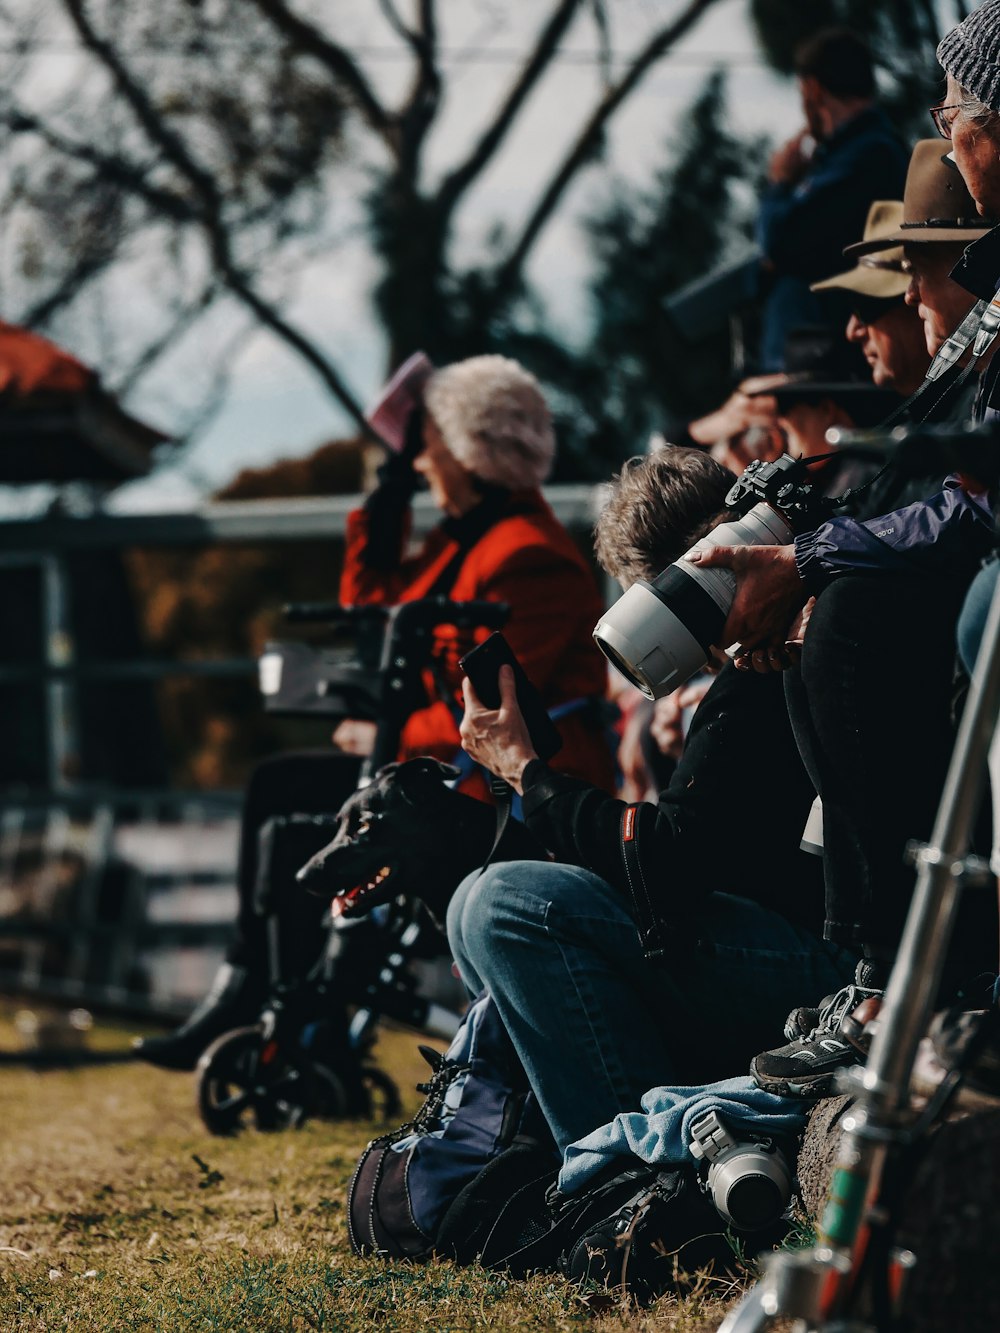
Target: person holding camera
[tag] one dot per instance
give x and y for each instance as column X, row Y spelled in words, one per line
column 696, row 1017
column 479, row 434
column 872, row 588
column 594, row 1021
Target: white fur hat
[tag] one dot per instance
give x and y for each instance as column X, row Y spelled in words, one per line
column 493, row 417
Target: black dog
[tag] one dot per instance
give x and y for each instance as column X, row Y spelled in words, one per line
column 409, row 833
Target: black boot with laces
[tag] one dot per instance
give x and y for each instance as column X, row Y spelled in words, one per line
column 839, row 1037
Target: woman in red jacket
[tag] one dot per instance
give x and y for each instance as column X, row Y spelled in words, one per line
column 482, row 440
column 480, row 435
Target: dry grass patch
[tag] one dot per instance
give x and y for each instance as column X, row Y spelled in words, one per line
column 118, row 1211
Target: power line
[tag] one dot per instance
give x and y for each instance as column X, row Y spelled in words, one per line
column 388, row 54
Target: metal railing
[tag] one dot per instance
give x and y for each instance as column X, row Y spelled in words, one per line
column 69, row 943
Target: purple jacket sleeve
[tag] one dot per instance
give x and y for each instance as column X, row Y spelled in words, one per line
column 950, row 533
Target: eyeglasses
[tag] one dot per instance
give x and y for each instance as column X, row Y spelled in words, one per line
column 942, row 125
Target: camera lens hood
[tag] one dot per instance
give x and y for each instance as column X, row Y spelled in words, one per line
column 648, row 642
column 750, row 1185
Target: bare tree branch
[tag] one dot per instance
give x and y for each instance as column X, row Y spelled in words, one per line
column 164, row 342
column 603, row 25
column 509, row 272
column 110, row 168
column 155, row 126
column 339, row 62
column 395, row 22
column 417, row 114
column 545, row 49
column 211, row 215
column 70, row 284
column 208, row 408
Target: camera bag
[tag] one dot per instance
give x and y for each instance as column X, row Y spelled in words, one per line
column 478, row 1109
column 638, row 1229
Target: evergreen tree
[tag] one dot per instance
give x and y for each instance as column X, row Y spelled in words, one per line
column 636, row 373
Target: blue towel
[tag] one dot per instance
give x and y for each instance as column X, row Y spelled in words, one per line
column 661, row 1134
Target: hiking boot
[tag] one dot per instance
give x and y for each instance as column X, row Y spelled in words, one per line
column 800, row 1022
column 231, row 1002
column 840, row 1037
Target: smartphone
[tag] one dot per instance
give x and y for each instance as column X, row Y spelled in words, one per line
column 482, row 666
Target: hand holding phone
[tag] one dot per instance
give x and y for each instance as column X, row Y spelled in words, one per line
column 482, row 666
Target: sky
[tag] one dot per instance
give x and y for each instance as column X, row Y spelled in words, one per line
column 274, row 407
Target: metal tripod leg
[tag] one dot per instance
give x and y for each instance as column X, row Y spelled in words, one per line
column 813, row 1285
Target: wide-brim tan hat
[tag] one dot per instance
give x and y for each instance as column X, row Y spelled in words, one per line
column 880, row 277
column 936, row 206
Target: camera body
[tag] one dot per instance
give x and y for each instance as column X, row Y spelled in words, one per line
column 749, row 1181
column 659, row 633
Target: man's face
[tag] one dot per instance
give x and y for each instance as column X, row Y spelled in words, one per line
column 976, row 146
column 894, row 347
column 940, row 303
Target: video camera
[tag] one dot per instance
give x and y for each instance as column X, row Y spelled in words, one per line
column 380, row 677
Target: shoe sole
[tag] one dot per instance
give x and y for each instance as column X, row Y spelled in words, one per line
column 814, row 1088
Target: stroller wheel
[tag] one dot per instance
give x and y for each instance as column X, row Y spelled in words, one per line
column 241, row 1075
column 384, row 1101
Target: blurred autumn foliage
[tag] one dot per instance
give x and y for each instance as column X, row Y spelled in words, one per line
column 225, row 601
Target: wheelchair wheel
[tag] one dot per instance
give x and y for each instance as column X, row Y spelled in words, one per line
column 241, row 1076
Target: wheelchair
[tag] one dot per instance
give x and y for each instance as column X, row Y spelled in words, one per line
column 310, row 1051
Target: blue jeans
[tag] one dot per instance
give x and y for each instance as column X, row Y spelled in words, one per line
column 594, row 1023
column 972, row 621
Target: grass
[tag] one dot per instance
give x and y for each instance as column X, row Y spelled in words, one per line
column 119, row 1212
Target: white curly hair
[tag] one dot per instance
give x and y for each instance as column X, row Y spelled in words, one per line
column 493, row 418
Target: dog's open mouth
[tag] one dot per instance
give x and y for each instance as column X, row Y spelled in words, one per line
column 363, row 897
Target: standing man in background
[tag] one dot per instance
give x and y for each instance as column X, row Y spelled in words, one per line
column 822, row 183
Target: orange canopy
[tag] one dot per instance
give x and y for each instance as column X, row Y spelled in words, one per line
column 31, row 364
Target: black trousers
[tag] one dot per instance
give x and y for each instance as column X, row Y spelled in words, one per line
column 870, row 707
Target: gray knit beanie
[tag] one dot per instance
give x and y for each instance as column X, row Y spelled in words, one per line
column 971, row 53
column 493, row 417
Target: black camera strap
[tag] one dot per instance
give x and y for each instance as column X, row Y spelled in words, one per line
column 635, row 830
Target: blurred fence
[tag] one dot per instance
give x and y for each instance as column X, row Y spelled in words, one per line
column 119, row 898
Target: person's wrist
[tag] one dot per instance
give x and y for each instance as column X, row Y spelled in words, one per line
column 518, row 762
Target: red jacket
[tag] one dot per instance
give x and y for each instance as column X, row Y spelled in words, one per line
column 527, row 559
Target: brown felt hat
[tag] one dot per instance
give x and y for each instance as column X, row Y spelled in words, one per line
column 936, row 205
column 880, row 276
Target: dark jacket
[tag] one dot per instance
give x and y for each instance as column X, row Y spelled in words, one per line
column 803, row 228
column 714, row 830
column 950, row 533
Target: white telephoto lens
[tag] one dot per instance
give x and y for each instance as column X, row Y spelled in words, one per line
column 659, row 634
column 763, row 526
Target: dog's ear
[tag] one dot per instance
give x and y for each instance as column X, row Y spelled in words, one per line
column 423, row 777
